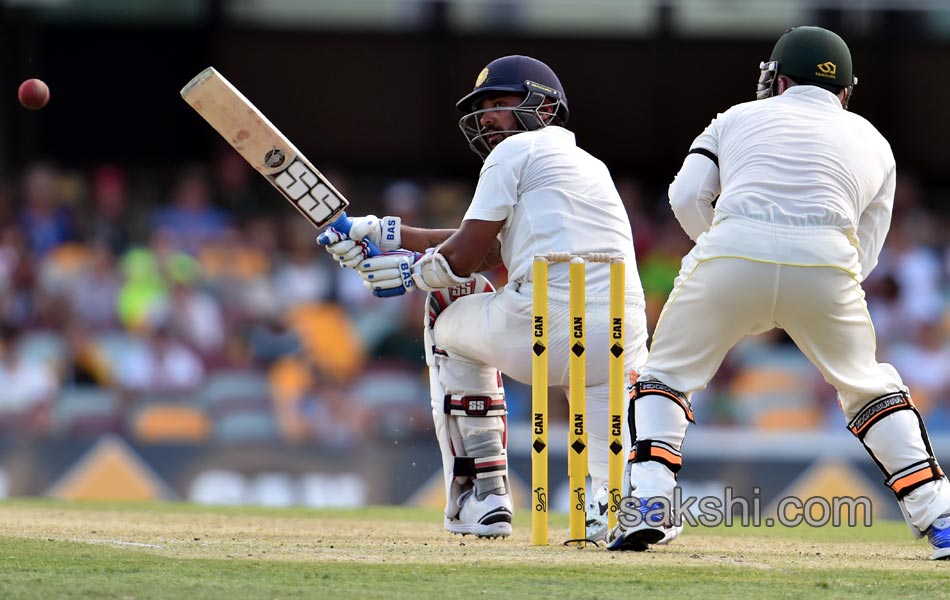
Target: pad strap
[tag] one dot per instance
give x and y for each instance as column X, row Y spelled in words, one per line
column 481, row 468
column 657, row 451
column 876, row 410
column 475, row 406
column 907, row 480
column 650, row 387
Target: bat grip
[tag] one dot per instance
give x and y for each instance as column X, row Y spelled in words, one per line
column 342, row 224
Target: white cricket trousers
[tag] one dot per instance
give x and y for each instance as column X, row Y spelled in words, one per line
column 745, row 277
column 495, row 329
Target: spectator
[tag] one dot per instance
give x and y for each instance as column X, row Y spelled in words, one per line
column 148, row 275
column 197, row 319
column 27, row 387
column 109, row 221
column 45, row 223
column 305, row 276
column 191, row 220
column 94, row 297
column 237, row 189
column 161, row 365
column 17, row 278
column 84, row 362
column 924, row 365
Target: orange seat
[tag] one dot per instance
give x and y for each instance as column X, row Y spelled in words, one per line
column 329, row 338
column 167, row 423
column 788, row 418
column 289, row 381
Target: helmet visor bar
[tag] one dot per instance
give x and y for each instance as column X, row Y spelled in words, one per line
column 534, row 112
column 767, row 73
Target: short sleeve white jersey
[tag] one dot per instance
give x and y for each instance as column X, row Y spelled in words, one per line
column 553, row 197
column 800, row 159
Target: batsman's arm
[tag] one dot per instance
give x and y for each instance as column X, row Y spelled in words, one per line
column 418, row 239
column 462, row 247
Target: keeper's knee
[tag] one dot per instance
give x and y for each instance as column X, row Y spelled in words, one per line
column 652, row 387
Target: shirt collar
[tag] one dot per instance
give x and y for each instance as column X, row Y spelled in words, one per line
column 812, row 93
column 556, row 130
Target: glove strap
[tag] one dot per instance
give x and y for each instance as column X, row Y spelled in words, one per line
column 390, row 235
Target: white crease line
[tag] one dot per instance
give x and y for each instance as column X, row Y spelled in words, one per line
column 114, row 543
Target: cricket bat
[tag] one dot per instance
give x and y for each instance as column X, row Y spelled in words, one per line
column 268, row 150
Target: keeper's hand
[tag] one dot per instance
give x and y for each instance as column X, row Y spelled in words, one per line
column 388, row 274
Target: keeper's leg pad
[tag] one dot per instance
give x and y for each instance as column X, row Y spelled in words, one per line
column 657, row 417
column 893, row 433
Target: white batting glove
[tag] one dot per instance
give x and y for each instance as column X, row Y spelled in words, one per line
column 350, row 249
column 382, row 232
column 432, row 272
column 347, row 252
column 388, row 274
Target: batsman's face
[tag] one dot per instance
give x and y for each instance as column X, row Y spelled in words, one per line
column 501, row 120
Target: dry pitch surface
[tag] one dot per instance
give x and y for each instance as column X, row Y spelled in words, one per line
column 63, row 550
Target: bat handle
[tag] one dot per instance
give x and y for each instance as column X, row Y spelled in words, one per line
column 342, row 224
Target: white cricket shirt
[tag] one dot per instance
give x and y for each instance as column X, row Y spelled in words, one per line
column 553, row 197
column 798, row 159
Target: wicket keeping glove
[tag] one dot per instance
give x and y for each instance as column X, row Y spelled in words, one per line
column 388, row 274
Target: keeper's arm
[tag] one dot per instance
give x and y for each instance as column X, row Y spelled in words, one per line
column 693, row 193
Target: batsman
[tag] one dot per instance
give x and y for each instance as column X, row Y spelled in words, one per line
column 537, row 193
column 789, row 199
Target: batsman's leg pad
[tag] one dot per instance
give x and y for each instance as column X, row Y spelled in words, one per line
column 476, row 413
column 893, row 433
column 447, row 445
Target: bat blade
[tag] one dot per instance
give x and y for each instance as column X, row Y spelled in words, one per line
column 262, row 145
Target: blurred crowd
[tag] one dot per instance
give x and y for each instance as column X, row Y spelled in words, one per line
column 195, row 306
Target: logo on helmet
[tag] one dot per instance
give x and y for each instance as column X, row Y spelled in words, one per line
column 481, row 77
column 827, row 69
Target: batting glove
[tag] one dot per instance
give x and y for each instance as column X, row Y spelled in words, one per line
column 350, row 240
column 432, row 272
column 389, row 274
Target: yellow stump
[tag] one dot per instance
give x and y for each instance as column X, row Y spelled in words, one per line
column 539, row 405
column 617, row 391
column 577, row 442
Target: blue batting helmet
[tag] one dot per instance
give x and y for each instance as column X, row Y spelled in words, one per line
column 521, row 75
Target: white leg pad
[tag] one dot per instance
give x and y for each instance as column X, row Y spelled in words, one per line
column 467, row 401
column 657, row 418
column 895, row 441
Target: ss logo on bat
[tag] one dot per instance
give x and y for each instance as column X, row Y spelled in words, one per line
column 305, row 189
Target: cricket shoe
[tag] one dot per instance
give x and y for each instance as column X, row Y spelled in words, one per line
column 490, row 517
column 650, row 529
column 597, row 520
column 939, row 537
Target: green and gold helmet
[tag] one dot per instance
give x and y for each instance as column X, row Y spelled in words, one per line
column 809, row 55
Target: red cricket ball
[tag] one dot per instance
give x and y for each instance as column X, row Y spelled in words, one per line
column 33, row 94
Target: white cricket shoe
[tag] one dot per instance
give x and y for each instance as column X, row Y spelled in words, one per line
column 597, row 518
column 490, row 517
column 652, row 529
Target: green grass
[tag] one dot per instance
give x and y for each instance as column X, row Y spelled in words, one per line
column 51, row 549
